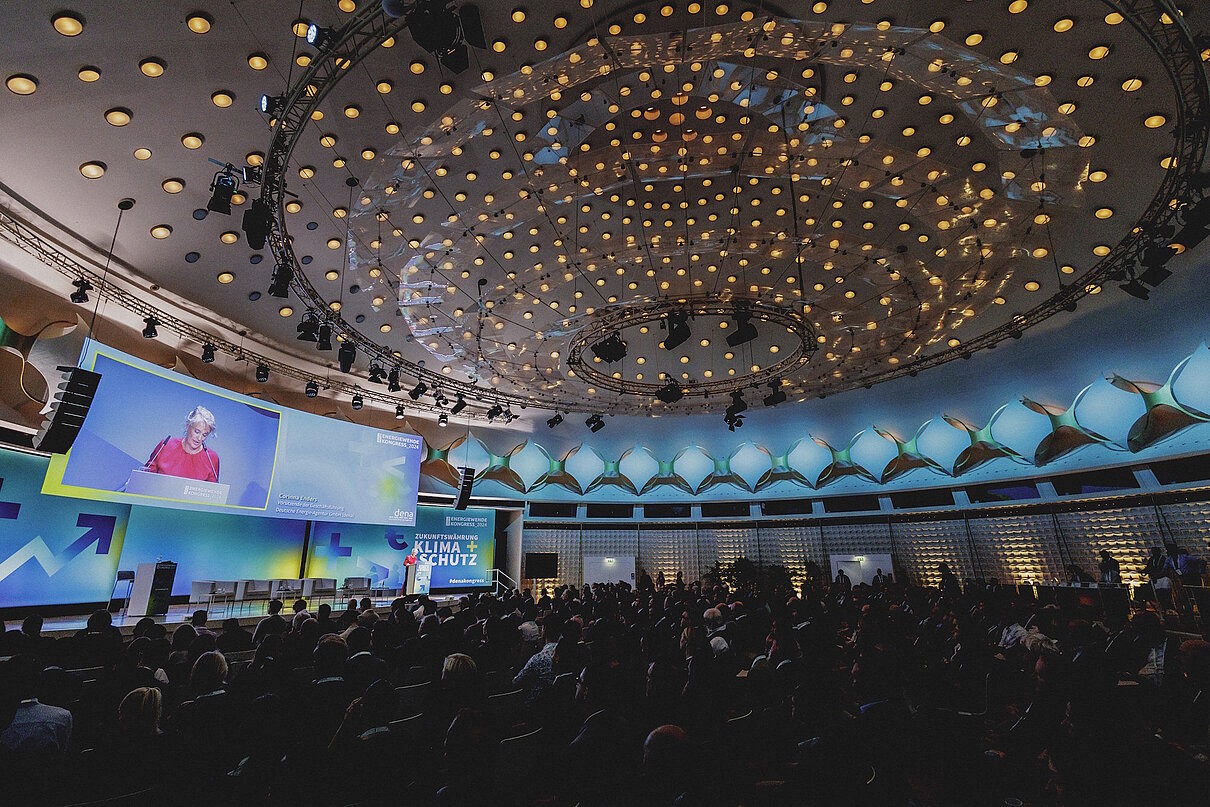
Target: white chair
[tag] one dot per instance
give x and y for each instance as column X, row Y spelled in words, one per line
column 223, row 592
column 200, row 591
column 286, row 589
column 249, row 591
column 315, row 589
column 356, row 587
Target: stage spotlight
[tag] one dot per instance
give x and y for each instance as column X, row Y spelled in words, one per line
column 441, row 30
column 670, row 393
column 322, row 38
column 311, row 390
column 733, row 421
column 308, row 327
column 744, row 331
column 262, row 373
column 398, row 411
column 272, row 105
column 377, row 374
column 676, row 323
column 346, row 355
column 496, row 411
column 323, row 338
column 610, row 349
column 207, row 353
column 555, row 421
column 80, row 295
column 149, row 332
column 1136, row 289
column 443, row 420
column 594, row 423
column 418, row 390
column 258, row 220
column 357, row 402
column 393, row 380
column 459, row 404
column 279, row 286
column 222, row 188
column 509, row 417
column 776, row 394
column 738, row 404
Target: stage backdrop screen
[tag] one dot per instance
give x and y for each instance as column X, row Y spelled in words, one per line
column 52, row 550
column 159, row 438
column 459, row 543
column 213, row 546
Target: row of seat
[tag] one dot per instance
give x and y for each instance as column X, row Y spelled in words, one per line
column 232, row 593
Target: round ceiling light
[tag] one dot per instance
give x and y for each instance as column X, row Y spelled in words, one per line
column 93, row 170
column 225, row 277
column 118, row 116
column 142, row 153
column 198, row 22
column 89, row 74
column 1155, row 121
column 258, row 61
column 192, row 141
column 68, row 23
column 21, row 84
column 161, row 231
column 173, row 185
column 222, row 99
column 152, row 68
column 229, row 237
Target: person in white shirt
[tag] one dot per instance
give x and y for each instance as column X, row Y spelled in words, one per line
column 36, row 727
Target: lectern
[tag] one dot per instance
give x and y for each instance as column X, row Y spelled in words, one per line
column 152, row 589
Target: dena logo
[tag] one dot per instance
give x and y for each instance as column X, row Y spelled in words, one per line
column 404, row 515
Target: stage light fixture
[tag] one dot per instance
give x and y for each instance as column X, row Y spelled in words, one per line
column 594, row 423
column 676, row 323
column 398, row 411
column 149, row 332
column 357, row 402
column 776, row 394
column 80, row 295
column 346, row 355
column 733, row 421
column 442, row 31
column 323, row 339
column 308, row 327
column 262, row 373
column 443, row 420
column 610, row 349
column 207, row 353
column 1136, row 289
column 393, row 380
column 494, row 412
column 744, row 331
column 555, row 421
column 459, row 404
column 320, row 37
column 670, row 393
column 258, row 220
column 311, row 390
column 418, row 390
column 222, row 188
column 272, row 105
column 279, row 286
column 738, row 404
column 377, row 374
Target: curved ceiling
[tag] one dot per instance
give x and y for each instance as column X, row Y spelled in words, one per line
column 882, row 178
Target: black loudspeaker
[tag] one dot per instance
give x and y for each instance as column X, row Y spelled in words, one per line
column 68, row 408
column 464, row 492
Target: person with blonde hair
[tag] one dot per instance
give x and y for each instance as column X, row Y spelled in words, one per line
column 139, row 714
column 188, row 456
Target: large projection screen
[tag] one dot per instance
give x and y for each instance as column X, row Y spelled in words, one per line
column 159, row 438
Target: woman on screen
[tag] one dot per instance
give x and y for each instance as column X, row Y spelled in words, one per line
column 187, row 456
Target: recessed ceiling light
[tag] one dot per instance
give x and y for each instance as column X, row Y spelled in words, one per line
column 347, row 6
column 352, row 111
column 222, row 99
column 93, row 169
column 142, row 153
column 384, row 86
column 1104, row 212
column 368, row 154
column 332, row 274
column 152, row 68
column 1064, row 25
column 1155, row 121
column 518, row 15
column 192, row 141
column 285, row 311
column 293, row 206
column 229, row 237
column 198, row 22
column 254, row 158
column 446, row 89
column 306, row 172
column 417, row 67
column 1017, row 6
column 118, row 116
column 1101, row 250
column 161, row 231
column 238, row 198
column 1032, row 285
column 974, row 39
column 1099, row 52
column 225, row 277
column 68, row 23
column 89, row 74
column 392, row 128
column 21, row 84
column 560, row 22
column 299, row 27
column 418, row 106
column 384, row 327
column 1132, row 84
column 258, row 61
column 1098, row 176
column 1113, row 18
column 173, row 185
